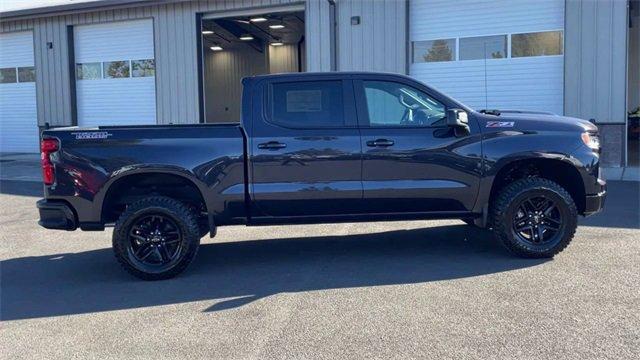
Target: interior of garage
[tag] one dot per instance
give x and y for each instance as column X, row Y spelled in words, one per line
column 633, row 84
column 240, row 46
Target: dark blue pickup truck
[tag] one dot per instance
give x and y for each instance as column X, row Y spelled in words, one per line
column 323, row 148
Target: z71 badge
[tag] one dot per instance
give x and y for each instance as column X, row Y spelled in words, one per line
column 500, row 124
column 91, row 135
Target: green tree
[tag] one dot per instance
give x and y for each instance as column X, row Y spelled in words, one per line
column 439, row 51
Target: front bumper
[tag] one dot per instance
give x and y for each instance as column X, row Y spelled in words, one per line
column 56, row 215
column 594, row 203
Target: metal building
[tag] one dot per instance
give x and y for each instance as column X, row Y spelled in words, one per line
column 105, row 62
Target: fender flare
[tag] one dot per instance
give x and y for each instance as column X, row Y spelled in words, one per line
column 488, row 179
column 124, row 173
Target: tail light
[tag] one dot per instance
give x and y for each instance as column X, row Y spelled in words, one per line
column 47, row 147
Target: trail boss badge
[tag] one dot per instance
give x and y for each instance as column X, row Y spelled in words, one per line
column 91, row 135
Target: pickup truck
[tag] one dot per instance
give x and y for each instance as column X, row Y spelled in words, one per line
column 323, row 148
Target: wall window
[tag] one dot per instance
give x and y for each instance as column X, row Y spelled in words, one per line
column 483, row 47
column 116, row 69
column 143, row 68
column 88, row 71
column 307, row 104
column 7, row 75
column 434, row 50
column 395, row 104
column 26, row 74
column 536, row 44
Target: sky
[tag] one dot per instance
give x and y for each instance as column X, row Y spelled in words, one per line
column 11, row 5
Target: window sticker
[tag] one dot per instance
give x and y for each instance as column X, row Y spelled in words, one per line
column 304, row 101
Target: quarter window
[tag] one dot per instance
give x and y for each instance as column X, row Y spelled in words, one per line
column 309, row 104
column 395, row 104
column 536, row 44
column 7, row 75
column 483, row 47
column 434, row 50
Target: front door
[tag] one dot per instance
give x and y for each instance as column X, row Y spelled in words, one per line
column 413, row 162
column 305, row 149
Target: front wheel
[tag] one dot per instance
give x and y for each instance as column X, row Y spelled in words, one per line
column 534, row 217
column 156, row 238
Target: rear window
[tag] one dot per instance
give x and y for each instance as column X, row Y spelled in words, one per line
column 308, row 104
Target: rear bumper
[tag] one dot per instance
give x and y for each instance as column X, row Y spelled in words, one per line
column 56, row 215
column 595, row 203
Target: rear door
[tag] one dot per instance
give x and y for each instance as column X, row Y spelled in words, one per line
column 413, row 162
column 305, row 149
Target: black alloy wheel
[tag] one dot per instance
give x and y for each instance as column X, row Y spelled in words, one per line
column 156, row 238
column 534, row 217
column 538, row 221
column 154, row 241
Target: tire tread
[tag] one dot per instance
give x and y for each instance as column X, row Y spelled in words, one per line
column 181, row 211
column 501, row 226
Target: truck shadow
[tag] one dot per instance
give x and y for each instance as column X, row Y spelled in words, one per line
column 233, row 274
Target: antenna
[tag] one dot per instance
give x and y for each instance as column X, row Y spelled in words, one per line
column 486, row 101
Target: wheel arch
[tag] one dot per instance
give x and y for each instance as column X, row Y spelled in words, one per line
column 128, row 179
column 555, row 167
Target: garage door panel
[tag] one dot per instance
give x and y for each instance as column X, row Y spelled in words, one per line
column 527, row 82
column 433, row 19
column 121, row 95
column 16, row 49
column 18, row 124
column 18, row 115
column 114, row 41
column 531, row 84
column 110, row 105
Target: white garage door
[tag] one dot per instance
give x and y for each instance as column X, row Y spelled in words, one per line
column 18, row 115
column 499, row 54
column 115, row 73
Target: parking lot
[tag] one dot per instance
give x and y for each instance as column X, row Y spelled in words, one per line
column 420, row 289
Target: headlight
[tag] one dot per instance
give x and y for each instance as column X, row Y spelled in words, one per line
column 591, row 140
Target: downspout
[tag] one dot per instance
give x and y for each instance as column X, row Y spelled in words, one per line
column 299, row 45
column 333, row 39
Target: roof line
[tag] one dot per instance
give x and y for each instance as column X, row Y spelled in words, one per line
column 79, row 6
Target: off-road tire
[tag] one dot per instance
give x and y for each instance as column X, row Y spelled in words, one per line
column 506, row 203
column 179, row 213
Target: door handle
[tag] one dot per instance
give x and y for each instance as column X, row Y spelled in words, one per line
column 380, row 143
column 272, row 145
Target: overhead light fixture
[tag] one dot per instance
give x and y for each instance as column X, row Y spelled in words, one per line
column 216, row 48
column 207, row 32
column 246, row 37
column 276, row 26
column 258, row 19
column 277, row 43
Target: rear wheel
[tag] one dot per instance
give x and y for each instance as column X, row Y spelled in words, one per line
column 534, row 217
column 156, row 238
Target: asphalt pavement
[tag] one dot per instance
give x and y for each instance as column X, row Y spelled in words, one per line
column 418, row 289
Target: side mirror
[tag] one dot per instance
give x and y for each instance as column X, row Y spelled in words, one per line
column 458, row 119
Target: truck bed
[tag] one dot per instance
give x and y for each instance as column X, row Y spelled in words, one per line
column 91, row 160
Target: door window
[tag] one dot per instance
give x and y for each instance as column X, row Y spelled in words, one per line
column 395, row 104
column 308, row 104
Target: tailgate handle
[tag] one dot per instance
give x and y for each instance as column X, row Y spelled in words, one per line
column 380, row 143
column 272, row 145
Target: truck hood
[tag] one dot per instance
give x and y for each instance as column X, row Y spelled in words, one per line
column 535, row 122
